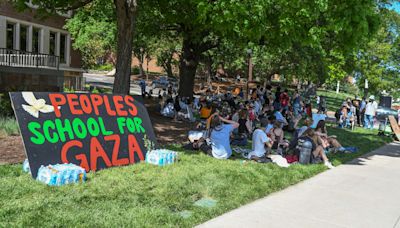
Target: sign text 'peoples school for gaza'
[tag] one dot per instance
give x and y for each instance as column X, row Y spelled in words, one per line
column 71, row 131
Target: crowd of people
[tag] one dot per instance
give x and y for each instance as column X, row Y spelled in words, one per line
column 227, row 120
column 357, row 112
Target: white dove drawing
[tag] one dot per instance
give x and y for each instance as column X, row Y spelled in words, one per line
column 35, row 106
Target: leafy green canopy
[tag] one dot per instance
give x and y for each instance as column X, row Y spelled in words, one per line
column 94, row 31
column 378, row 61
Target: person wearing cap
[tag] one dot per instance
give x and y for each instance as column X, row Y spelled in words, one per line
column 370, row 112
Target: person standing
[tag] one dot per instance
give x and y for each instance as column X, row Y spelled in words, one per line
column 142, row 85
column 296, row 104
column 277, row 103
column 363, row 103
column 370, row 113
column 356, row 104
column 284, row 100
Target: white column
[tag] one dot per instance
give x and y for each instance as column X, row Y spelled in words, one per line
column 17, row 36
column 44, row 41
column 3, row 32
column 29, row 37
column 57, row 47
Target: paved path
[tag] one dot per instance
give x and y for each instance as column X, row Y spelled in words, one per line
column 364, row 193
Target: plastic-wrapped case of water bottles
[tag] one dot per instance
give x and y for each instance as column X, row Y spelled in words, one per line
column 61, row 174
column 161, row 157
column 25, row 166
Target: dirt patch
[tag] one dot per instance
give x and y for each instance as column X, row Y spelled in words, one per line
column 166, row 129
column 12, row 150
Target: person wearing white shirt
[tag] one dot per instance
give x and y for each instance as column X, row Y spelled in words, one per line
column 260, row 142
column 370, row 112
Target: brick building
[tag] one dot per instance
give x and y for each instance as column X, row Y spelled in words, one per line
column 36, row 53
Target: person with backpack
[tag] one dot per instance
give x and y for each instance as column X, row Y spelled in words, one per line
column 318, row 152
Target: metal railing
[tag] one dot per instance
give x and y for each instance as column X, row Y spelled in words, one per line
column 17, row 58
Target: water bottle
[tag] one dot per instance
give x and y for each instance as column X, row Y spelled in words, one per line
column 25, row 166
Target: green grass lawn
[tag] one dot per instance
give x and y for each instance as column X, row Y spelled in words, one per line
column 149, row 196
column 334, row 100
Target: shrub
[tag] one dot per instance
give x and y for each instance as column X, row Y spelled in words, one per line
column 5, row 105
column 103, row 67
column 135, row 70
column 8, row 126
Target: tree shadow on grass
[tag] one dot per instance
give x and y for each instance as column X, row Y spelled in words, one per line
column 390, row 150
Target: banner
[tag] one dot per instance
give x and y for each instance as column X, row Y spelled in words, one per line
column 94, row 131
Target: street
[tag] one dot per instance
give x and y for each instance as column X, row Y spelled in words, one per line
column 104, row 81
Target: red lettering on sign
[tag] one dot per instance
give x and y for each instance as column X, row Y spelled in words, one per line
column 118, row 106
column 57, row 99
column 96, row 151
column 108, row 106
column 85, row 103
column 80, row 157
column 129, row 101
column 73, row 101
column 117, row 143
column 134, row 148
column 97, row 100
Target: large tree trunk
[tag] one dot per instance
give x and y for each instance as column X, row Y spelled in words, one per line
column 187, row 68
column 126, row 11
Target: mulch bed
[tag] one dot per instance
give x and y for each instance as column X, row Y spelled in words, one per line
column 11, row 150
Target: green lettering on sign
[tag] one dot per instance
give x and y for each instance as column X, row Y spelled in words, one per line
column 39, row 138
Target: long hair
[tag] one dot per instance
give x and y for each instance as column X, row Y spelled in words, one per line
column 321, row 125
column 215, row 123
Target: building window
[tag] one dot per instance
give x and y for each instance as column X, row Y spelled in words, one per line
column 10, row 35
column 52, row 46
column 23, row 40
column 63, row 46
column 35, row 40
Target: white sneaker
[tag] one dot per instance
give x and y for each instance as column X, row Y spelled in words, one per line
column 329, row 165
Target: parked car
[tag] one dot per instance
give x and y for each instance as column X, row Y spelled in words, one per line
column 382, row 113
column 161, row 82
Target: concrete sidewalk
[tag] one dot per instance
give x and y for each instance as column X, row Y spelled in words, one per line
column 363, row 193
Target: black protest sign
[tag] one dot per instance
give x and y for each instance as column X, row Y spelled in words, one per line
column 95, row 131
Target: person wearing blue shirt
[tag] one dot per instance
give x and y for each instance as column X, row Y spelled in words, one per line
column 221, row 129
column 279, row 117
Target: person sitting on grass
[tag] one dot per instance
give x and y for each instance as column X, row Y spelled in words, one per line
column 261, row 144
column 244, row 129
column 318, row 152
column 277, row 137
column 279, row 117
column 221, row 129
column 205, row 110
column 330, row 141
column 270, row 124
column 343, row 114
